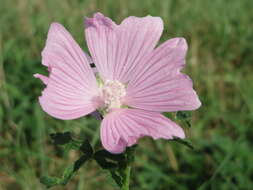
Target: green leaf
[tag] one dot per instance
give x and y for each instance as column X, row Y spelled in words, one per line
column 108, row 155
column 86, row 148
column 74, row 145
column 80, row 162
column 69, row 144
column 49, row 181
column 130, row 152
column 117, row 178
column 67, row 174
column 108, row 160
column 117, row 164
column 103, row 163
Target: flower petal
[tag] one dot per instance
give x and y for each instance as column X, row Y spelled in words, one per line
column 118, row 49
column 71, row 86
column 159, row 85
column 123, row 127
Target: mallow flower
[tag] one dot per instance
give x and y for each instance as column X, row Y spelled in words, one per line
column 133, row 82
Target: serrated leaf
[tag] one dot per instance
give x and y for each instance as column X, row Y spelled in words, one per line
column 103, row 163
column 130, row 152
column 75, row 145
column 184, row 116
column 69, row 143
column 117, row 178
column 67, row 174
column 80, row 162
column 183, row 142
column 108, row 155
column 49, row 181
column 108, row 160
column 86, row 148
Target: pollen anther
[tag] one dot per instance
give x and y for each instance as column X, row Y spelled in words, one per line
column 112, row 93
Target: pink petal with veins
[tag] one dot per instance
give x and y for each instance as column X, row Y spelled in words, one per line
column 158, row 85
column 118, row 49
column 71, row 90
column 123, row 127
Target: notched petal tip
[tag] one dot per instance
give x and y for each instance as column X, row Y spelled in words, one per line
column 55, row 26
column 89, row 22
column 182, row 43
column 194, row 104
column 98, row 15
column 147, row 17
column 156, row 23
column 97, row 20
column 178, row 42
column 179, row 133
column 154, row 18
column 198, row 103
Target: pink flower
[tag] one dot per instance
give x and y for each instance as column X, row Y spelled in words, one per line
column 135, row 82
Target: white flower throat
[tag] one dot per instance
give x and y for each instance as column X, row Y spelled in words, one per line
column 112, row 93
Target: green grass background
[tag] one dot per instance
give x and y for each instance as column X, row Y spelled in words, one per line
column 220, row 58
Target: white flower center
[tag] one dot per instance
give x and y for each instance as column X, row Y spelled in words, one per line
column 112, row 93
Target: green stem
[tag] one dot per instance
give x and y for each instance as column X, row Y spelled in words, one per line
column 126, row 179
column 121, row 174
column 130, row 153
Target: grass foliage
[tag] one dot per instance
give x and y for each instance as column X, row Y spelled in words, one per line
column 220, row 37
